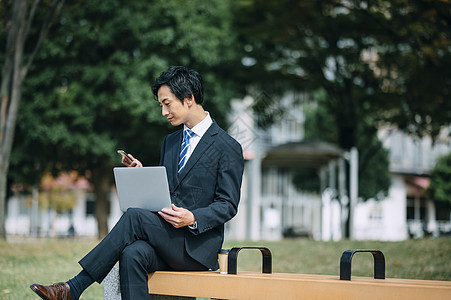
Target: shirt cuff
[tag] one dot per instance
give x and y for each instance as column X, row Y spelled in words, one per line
column 194, row 226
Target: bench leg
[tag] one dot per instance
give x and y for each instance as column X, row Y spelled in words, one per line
column 111, row 285
column 112, row 290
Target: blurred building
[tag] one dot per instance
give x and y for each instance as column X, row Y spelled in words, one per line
column 271, row 206
column 407, row 212
column 31, row 215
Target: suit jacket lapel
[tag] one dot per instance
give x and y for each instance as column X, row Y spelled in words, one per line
column 205, row 142
column 174, row 159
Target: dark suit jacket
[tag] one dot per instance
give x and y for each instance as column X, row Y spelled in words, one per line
column 209, row 186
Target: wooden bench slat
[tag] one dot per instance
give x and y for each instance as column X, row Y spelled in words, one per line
column 251, row 285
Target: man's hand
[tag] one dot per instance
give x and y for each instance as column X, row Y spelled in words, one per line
column 133, row 163
column 177, row 217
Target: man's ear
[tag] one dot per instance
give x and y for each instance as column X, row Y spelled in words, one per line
column 190, row 100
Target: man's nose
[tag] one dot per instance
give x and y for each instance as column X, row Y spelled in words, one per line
column 164, row 111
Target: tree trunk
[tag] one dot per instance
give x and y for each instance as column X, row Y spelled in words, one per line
column 14, row 72
column 3, row 187
column 102, row 181
column 346, row 140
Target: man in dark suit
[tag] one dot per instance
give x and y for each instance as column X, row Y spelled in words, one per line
column 204, row 168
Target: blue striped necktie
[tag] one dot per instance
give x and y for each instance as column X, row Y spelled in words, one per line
column 187, row 135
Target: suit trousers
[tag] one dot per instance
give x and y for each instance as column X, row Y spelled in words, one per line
column 142, row 242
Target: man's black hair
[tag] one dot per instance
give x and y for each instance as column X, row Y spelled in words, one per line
column 182, row 81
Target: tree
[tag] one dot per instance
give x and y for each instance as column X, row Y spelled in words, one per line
column 377, row 62
column 369, row 58
column 374, row 177
column 385, row 59
column 89, row 93
column 440, row 187
column 18, row 19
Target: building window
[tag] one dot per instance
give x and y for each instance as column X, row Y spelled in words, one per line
column 90, row 207
column 416, row 208
column 442, row 211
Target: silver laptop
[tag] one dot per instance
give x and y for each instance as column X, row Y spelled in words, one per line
column 145, row 187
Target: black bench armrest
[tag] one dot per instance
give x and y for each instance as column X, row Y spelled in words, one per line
column 346, row 258
column 233, row 259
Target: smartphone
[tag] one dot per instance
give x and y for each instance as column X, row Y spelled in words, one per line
column 122, row 152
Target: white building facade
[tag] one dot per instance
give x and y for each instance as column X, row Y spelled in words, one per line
column 407, row 212
column 26, row 218
column 271, row 205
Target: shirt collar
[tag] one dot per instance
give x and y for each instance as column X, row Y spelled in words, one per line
column 202, row 126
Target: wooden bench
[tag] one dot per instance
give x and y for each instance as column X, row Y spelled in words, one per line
column 268, row 285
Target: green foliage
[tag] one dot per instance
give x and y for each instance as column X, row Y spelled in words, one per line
column 306, row 180
column 367, row 63
column 374, row 176
column 89, row 92
column 386, row 59
column 440, row 187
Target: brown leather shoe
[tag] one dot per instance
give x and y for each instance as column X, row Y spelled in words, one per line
column 56, row 291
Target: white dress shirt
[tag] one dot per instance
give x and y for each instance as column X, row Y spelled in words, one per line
column 199, row 130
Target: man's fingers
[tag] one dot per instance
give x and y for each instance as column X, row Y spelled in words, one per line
column 171, row 219
column 169, row 211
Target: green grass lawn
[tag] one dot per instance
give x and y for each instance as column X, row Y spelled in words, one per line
column 48, row 261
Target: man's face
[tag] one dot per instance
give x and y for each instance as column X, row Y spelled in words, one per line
column 171, row 107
